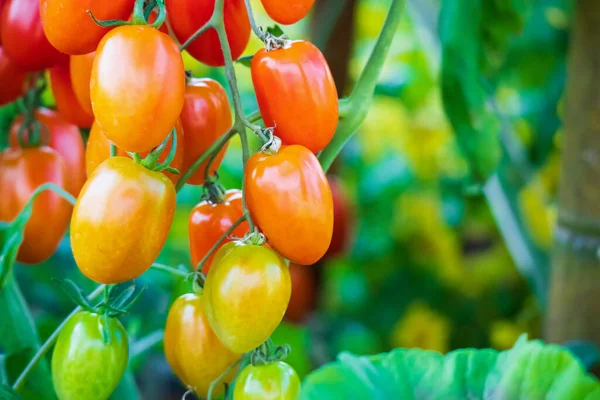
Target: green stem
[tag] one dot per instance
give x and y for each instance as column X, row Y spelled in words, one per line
column 219, row 242
column 170, row 270
column 258, row 31
column 220, row 378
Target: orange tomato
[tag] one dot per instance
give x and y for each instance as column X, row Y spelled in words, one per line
column 287, row 12
column 137, row 106
column 205, row 117
column 66, row 101
column 81, row 72
column 12, row 78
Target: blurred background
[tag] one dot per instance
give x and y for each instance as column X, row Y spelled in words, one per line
column 424, row 257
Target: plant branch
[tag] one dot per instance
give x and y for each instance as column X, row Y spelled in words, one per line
column 220, row 377
column 197, row 34
column 258, row 31
column 218, row 242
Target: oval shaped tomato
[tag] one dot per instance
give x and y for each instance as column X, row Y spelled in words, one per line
column 342, row 218
column 24, row 39
column 187, row 16
column 81, row 73
column 83, row 365
column 287, row 12
column 296, row 94
column 290, row 200
column 246, row 292
column 64, row 96
column 65, row 139
column 273, row 381
column 304, row 289
column 21, row 172
column 98, row 150
column 209, row 221
column 205, row 117
column 137, row 106
column 121, row 220
column 70, row 28
column 12, row 78
column 192, row 348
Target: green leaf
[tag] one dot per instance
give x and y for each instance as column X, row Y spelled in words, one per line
column 275, row 30
column 75, row 293
column 245, row 61
column 7, row 393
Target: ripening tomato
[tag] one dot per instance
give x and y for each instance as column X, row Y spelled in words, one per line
column 342, row 218
column 290, row 200
column 246, row 292
column 84, row 366
column 304, row 289
column 192, row 348
column 187, row 16
column 287, row 12
column 24, row 39
column 98, row 150
column 296, row 94
column 71, row 29
column 273, row 381
column 121, row 220
column 205, row 117
column 137, row 106
column 66, row 101
column 81, row 72
column 65, row 139
column 21, row 172
column 209, row 221
column 12, row 78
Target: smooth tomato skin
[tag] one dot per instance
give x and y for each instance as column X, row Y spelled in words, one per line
column 274, row 381
column 209, row 221
column 81, row 34
column 246, row 292
column 98, row 150
column 65, row 139
column 67, row 103
column 287, row 12
column 81, row 73
column 121, row 220
column 296, row 94
column 21, row 172
column 205, row 116
column 137, row 106
column 24, row 39
column 83, row 365
column 304, row 287
column 289, row 198
column 12, row 78
column 343, row 211
column 187, row 16
column 193, row 350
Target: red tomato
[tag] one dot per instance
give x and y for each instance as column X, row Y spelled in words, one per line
column 296, row 94
column 64, row 96
column 208, row 222
column 21, row 172
column 287, row 12
column 23, row 37
column 65, row 139
column 304, row 288
column 290, row 200
column 12, row 78
column 187, row 16
column 81, row 72
column 205, row 117
column 137, row 106
column 70, row 28
column 342, row 218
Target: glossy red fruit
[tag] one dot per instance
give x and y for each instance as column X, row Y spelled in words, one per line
column 303, row 299
column 12, row 79
column 343, row 213
column 287, row 12
column 67, row 103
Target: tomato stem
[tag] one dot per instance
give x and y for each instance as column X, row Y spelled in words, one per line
column 214, row 383
column 219, row 242
column 258, row 31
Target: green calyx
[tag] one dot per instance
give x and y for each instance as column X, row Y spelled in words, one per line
column 141, row 14
column 151, row 160
column 254, row 237
column 198, row 279
column 268, row 353
column 213, row 191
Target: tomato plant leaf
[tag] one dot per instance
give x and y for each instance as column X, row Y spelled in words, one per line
column 275, row 30
column 7, row 393
column 75, row 293
column 587, row 352
column 245, row 61
column 122, row 298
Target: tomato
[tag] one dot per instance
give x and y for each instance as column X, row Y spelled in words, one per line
column 192, row 348
column 296, row 94
column 65, row 139
column 304, row 288
column 66, row 102
column 290, row 200
column 209, row 221
column 121, row 220
column 287, row 12
column 137, row 106
column 98, row 150
column 81, row 72
column 273, row 381
column 246, row 292
column 12, row 78
column 83, row 365
column 205, row 117
column 187, row 16
column 71, row 29
column 23, row 37
column 342, row 219
column 21, row 172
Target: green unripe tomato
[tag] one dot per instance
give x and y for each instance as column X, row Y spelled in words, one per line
column 83, row 365
column 267, row 382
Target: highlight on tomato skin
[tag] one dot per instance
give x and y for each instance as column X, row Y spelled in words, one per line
column 287, row 12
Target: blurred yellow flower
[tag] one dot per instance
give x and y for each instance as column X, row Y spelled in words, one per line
column 421, row 327
column 504, row 334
